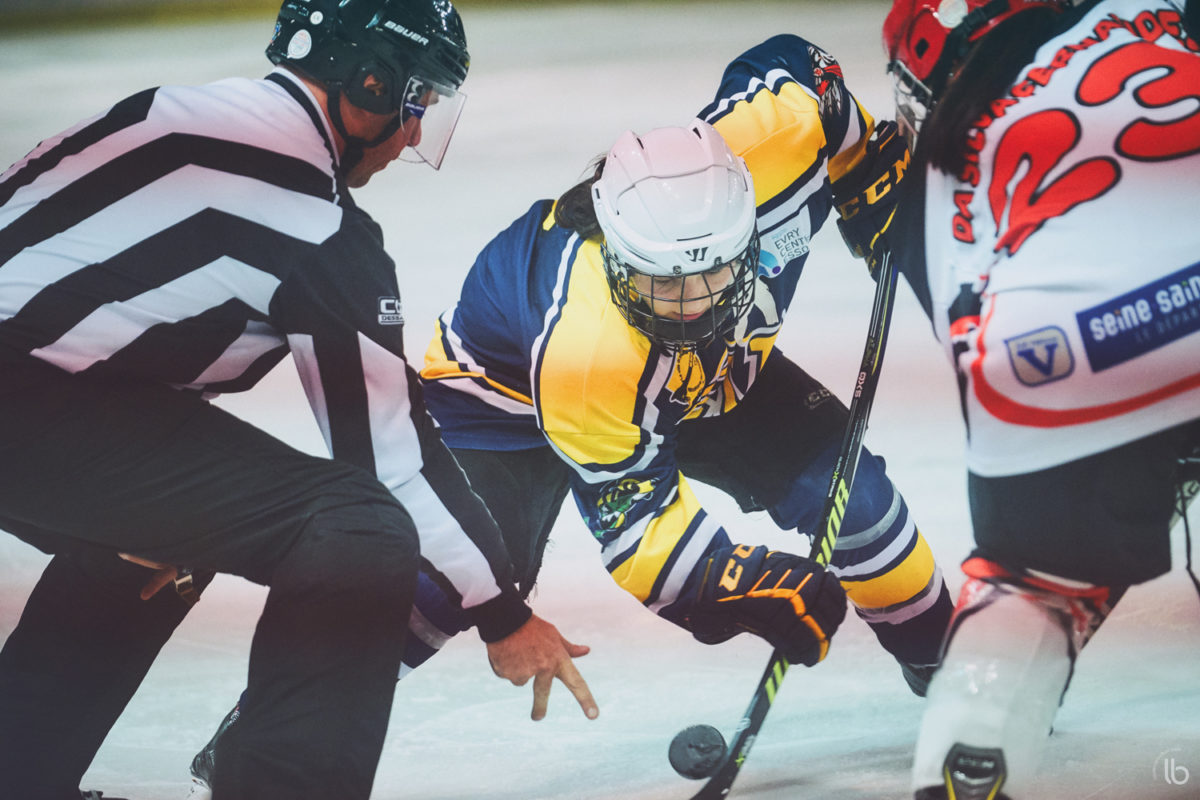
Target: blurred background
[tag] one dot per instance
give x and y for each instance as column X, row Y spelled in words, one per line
column 551, row 86
column 38, row 13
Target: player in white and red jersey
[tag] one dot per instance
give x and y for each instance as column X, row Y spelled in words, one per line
column 1049, row 231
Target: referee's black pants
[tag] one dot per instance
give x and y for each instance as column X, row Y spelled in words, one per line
column 91, row 468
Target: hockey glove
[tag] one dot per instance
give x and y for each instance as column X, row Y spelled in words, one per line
column 866, row 196
column 788, row 600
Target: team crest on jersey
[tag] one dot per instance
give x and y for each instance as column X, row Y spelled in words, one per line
column 390, row 312
column 827, row 76
column 1040, row 356
column 687, row 378
column 618, row 500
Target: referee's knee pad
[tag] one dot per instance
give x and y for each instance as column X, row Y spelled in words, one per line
column 356, row 503
column 369, row 525
column 368, row 543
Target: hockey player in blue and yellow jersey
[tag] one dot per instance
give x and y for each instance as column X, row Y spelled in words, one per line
column 622, row 340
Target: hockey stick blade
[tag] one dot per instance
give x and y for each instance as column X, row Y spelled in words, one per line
column 840, row 481
column 721, row 782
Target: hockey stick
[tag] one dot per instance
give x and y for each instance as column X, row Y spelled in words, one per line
column 840, row 481
column 860, row 409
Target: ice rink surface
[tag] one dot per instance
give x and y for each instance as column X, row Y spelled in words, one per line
column 549, row 89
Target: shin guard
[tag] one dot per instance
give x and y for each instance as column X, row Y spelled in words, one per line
column 1009, row 659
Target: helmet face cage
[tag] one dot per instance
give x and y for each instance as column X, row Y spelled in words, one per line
column 918, row 37
column 685, row 311
column 914, row 101
column 678, row 213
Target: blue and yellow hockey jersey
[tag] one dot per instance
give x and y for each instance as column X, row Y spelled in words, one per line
column 536, row 352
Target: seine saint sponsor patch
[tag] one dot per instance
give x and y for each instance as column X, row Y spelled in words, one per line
column 1040, row 356
column 390, row 312
column 1142, row 320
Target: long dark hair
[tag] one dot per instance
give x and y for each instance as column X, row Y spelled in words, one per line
column 986, row 74
column 574, row 210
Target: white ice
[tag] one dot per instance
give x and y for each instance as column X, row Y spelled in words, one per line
column 550, row 88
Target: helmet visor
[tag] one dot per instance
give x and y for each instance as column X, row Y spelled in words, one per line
column 436, row 107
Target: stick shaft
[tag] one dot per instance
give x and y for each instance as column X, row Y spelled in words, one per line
column 825, row 539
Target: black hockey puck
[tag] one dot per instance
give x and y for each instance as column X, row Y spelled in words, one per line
column 696, row 752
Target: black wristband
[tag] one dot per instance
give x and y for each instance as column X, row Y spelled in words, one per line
column 500, row 616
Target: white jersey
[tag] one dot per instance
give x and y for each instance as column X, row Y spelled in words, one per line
column 1063, row 264
column 194, row 236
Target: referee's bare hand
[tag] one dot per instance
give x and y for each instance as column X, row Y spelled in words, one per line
column 537, row 650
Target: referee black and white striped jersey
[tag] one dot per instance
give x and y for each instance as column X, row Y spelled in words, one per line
column 194, row 236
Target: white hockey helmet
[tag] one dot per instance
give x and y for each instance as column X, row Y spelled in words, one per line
column 673, row 203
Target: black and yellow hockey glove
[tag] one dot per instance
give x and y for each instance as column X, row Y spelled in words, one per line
column 866, row 196
column 788, row 600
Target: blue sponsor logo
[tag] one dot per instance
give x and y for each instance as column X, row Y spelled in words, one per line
column 768, row 264
column 1040, row 356
column 1145, row 319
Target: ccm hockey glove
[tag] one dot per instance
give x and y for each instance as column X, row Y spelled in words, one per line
column 788, row 600
column 866, row 196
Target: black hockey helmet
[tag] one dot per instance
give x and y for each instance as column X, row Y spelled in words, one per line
column 416, row 51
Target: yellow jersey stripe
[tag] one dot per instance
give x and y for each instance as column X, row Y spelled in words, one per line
column 588, row 413
column 899, row 584
column 638, row 574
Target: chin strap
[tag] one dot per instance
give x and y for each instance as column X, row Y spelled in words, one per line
column 355, row 145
